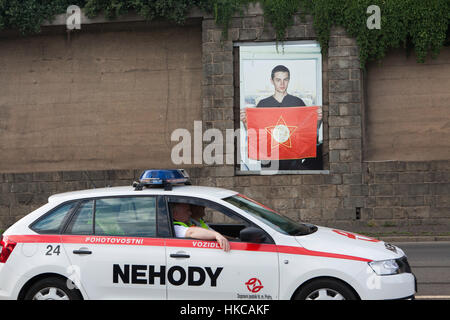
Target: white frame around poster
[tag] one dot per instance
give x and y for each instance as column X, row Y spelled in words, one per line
column 291, row 54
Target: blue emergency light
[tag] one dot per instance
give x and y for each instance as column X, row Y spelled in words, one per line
column 162, row 178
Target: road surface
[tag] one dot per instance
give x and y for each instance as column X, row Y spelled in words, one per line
column 430, row 262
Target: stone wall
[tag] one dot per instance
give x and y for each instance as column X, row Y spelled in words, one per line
column 412, row 196
column 352, row 194
column 371, row 197
column 21, row 193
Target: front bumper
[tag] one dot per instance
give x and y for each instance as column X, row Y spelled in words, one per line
column 389, row 287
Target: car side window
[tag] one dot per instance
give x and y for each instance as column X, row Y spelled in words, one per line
column 124, row 216
column 52, row 221
column 210, row 216
column 82, row 220
column 130, row 216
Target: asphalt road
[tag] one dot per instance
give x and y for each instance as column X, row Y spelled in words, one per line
column 430, row 262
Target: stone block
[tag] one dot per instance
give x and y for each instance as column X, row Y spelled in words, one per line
column 383, row 213
column 440, row 188
column 354, row 202
column 340, row 63
column 415, row 201
column 443, row 201
column 327, row 191
column 345, row 97
column 335, row 179
column 390, row 177
column 332, row 203
column 439, row 212
column 344, row 121
column 72, row 175
column 340, row 168
column 411, row 177
column 310, row 214
column 47, row 176
column 388, row 201
column 313, row 179
column 350, row 156
column 344, row 85
column 23, row 177
column 247, row 34
column 334, row 133
column 350, row 132
column 417, row 212
column 310, row 191
column 350, row 109
column 417, row 166
column 352, row 178
column 296, row 31
column 282, row 192
column 359, row 190
column 283, row 204
column 344, row 214
column 338, row 74
column 310, row 203
column 253, row 22
column 381, row 190
column 17, row 187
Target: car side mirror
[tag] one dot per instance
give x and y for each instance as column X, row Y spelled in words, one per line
column 252, row 234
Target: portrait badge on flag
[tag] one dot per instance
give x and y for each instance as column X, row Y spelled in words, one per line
column 282, row 133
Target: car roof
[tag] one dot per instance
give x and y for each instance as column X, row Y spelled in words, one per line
column 192, row 191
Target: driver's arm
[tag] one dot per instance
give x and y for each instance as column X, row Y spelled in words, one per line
column 205, row 234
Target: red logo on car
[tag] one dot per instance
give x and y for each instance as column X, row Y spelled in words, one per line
column 254, row 285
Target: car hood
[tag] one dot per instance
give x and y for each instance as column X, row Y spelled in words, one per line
column 335, row 241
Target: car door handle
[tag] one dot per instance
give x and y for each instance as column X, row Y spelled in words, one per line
column 179, row 255
column 82, row 251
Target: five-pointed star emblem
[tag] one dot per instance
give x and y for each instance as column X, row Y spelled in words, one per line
column 281, row 133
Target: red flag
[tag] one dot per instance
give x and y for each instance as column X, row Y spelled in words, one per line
column 282, row 133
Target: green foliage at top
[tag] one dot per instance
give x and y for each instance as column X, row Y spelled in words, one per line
column 27, row 16
column 419, row 25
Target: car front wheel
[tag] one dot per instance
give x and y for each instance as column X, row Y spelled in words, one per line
column 325, row 289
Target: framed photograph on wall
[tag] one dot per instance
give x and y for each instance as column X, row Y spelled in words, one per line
column 280, row 107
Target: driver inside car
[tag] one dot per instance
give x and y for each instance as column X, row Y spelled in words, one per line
column 183, row 227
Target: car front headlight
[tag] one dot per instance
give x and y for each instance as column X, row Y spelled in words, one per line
column 385, row 267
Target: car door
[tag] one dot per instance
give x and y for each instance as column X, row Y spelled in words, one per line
column 114, row 248
column 199, row 269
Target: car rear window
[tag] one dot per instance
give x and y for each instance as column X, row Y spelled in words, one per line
column 52, row 221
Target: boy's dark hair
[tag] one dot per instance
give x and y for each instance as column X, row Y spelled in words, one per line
column 280, row 68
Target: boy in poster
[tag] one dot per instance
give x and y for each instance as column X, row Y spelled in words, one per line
column 280, row 77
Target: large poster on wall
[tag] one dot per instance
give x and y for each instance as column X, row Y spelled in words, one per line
column 280, row 107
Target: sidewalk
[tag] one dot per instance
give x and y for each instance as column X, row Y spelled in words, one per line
column 398, row 235
column 409, row 237
column 413, row 238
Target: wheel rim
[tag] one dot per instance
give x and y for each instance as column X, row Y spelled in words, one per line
column 325, row 294
column 51, row 293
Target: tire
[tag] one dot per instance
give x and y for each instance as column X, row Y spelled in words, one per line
column 52, row 289
column 325, row 289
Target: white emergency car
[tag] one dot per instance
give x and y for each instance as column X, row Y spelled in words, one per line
column 119, row 243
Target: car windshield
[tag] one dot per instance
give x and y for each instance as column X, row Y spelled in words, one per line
column 270, row 217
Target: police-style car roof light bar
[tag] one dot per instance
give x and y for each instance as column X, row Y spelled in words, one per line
column 162, row 178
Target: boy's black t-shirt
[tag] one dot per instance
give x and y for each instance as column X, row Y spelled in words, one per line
column 288, row 101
